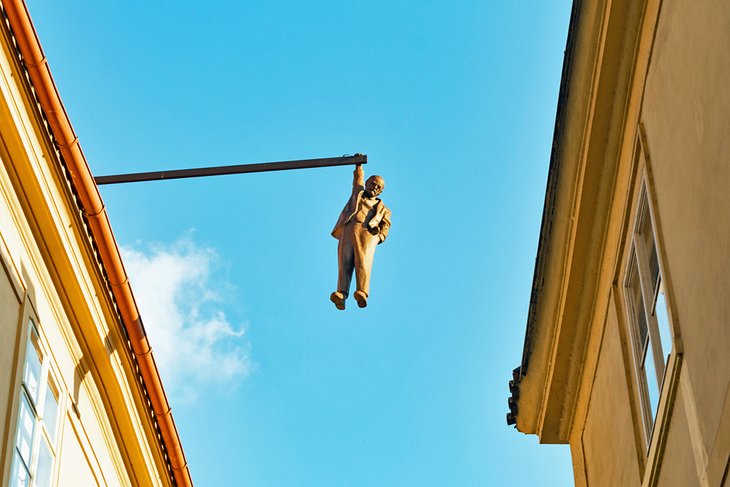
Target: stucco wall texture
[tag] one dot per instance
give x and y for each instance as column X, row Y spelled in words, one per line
column 686, row 117
column 612, row 462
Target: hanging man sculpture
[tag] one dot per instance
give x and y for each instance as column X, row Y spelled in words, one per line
column 363, row 224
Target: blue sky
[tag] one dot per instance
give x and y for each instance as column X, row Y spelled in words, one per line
column 454, row 104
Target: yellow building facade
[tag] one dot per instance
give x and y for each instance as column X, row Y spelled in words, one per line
column 81, row 403
column 627, row 347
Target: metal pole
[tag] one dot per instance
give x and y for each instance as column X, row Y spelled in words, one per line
column 238, row 169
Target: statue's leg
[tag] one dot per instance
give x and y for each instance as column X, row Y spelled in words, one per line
column 365, row 244
column 345, row 259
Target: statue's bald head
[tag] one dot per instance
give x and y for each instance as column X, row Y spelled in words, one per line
column 378, row 179
column 374, row 185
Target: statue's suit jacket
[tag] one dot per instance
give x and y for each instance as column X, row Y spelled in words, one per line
column 381, row 219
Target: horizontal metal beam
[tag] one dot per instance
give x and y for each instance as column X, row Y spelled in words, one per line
column 238, row 169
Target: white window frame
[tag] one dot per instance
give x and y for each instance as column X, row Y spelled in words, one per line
column 40, row 434
column 653, row 350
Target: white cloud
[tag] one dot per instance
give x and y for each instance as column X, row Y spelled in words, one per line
column 179, row 299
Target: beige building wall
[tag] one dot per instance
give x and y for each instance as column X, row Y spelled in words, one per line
column 28, row 294
column 647, row 105
column 10, row 304
column 607, row 437
column 687, row 116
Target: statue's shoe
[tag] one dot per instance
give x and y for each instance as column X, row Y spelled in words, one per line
column 339, row 299
column 361, row 298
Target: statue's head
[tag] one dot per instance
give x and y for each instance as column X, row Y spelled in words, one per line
column 374, row 185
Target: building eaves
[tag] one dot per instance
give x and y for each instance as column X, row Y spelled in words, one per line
column 82, row 184
column 548, row 210
column 552, row 183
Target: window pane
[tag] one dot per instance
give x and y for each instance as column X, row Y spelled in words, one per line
column 638, row 305
column 647, row 233
column 652, row 383
column 653, row 267
column 44, row 470
column 50, row 411
column 32, row 369
column 662, row 318
column 26, row 425
column 641, row 322
column 19, row 476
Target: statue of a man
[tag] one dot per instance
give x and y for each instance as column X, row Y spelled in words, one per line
column 363, row 224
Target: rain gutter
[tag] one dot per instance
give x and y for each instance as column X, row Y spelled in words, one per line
column 98, row 221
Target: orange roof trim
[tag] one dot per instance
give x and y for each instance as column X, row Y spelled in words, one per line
column 94, row 210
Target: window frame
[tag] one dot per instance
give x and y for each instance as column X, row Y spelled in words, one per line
column 48, row 383
column 650, row 436
column 638, row 266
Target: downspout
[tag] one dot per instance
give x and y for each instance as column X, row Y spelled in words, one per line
column 98, row 221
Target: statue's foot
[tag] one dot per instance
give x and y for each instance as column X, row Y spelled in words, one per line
column 339, row 299
column 361, row 298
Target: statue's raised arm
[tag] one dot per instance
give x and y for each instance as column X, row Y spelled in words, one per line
column 358, row 179
column 362, row 225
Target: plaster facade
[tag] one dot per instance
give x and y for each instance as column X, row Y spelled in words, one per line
column 641, row 138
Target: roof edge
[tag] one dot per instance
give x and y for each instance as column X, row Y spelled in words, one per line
column 82, row 182
column 551, row 187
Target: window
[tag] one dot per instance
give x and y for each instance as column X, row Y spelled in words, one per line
column 646, row 303
column 38, row 419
